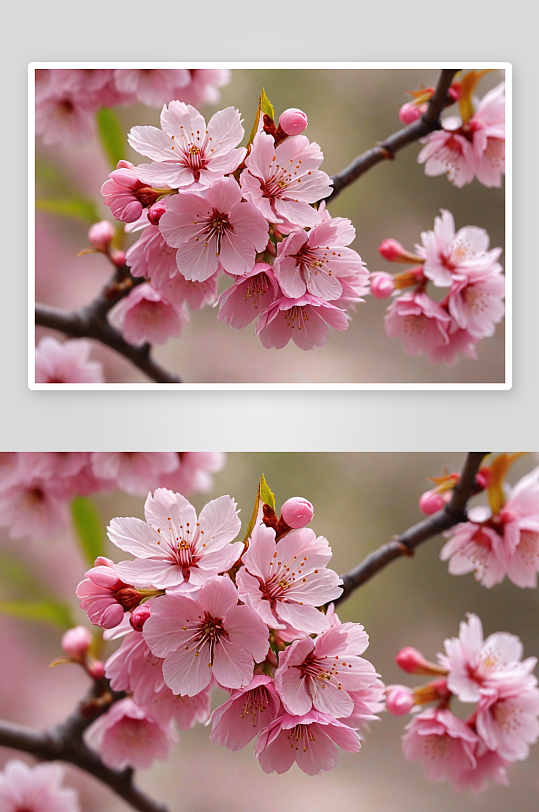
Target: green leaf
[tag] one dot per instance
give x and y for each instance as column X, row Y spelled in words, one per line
column 266, row 495
column 78, row 207
column 44, row 611
column 111, row 134
column 88, row 528
column 264, row 106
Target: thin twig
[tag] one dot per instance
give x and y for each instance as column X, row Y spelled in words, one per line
column 91, row 322
column 385, row 150
column 405, row 544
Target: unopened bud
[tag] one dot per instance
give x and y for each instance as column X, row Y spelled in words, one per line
column 156, row 212
column 431, row 502
column 118, row 258
column 76, row 642
column 411, row 660
column 483, row 477
column 455, row 91
column 128, row 597
column 393, row 251
column 96, row 669
column 138, row 617
column 409, row 113
column 382, row 285
column 399, row 699
column 101, row 234
column 297, row 512
column 293, row 121
column 146, row 195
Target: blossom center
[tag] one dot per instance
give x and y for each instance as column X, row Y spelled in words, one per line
column 301, row 736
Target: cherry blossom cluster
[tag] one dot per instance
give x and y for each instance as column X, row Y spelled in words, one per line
column 66, row 100
column 492, row 675
column 461, row 262
column 35, row 789
column 199, row 611
column 36, row 488
column 468, row 146
column 211, row 209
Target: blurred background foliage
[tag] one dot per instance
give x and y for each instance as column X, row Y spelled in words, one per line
column 348, row 111
column 360, row 501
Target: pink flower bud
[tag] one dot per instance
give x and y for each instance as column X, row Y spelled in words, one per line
column 297, row 512
column 96, row 669
column 118, row 258
column 293, row 121
column 156, row 212
column 382, row 285
column 101, row 234
column 431, row 502
column 138, row 617
column 483, row 477
column 409, row 659
column 409, row 113
column 455, row 91
column 399, row 699
column 392, row 250
column 76, row 642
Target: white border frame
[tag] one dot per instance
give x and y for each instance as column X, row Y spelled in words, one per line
column 506, row 66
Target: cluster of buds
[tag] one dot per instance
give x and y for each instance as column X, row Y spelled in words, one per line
column 36, row 488
column 488, row 673
column 209, row 209
column 67, row 100
column 199, row 610
column 461, row 262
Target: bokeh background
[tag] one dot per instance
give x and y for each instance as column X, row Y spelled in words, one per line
column 348, row 111
column 361, row 501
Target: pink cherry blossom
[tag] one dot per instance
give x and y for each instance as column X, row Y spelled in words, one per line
column 179, row 290
column 146, row 315
column 308, row 740
column 248, row 711
column 248, row 296
column 476, row 548
column 218, row 230
column 489, row 766
column 151, row 258
column 194, row 471
column 202, row 88
column 520, row 521
column 135, row 472
column 442, row 742
column 321, row 673
column 104, row 596
column 353, row 290
column 128, row 736
column 463, row 255
column 285, row 581
column 125, row 194
column 185, row 151
column 134, row 669
column 420, row 323
column 64, row 116
column 297, row 512
column 35, row 789
column 314, row 262
column 473, row 149
column 475, row 665
column 476, row 306
column 152, row 87
column 460, row 342
column 283, row 181
column 66, row 363
column 172, row 547
column 33, row 507
column 207, row 636
column 304, row 320
column 368, row 702
column 507, row 719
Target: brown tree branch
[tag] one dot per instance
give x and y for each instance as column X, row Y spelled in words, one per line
column 91, row 322
column 429, row 121
column 64, row 743
column 405, row 544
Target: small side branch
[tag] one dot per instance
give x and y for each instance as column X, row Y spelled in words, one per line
column 387, row 149
column 453, row 513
